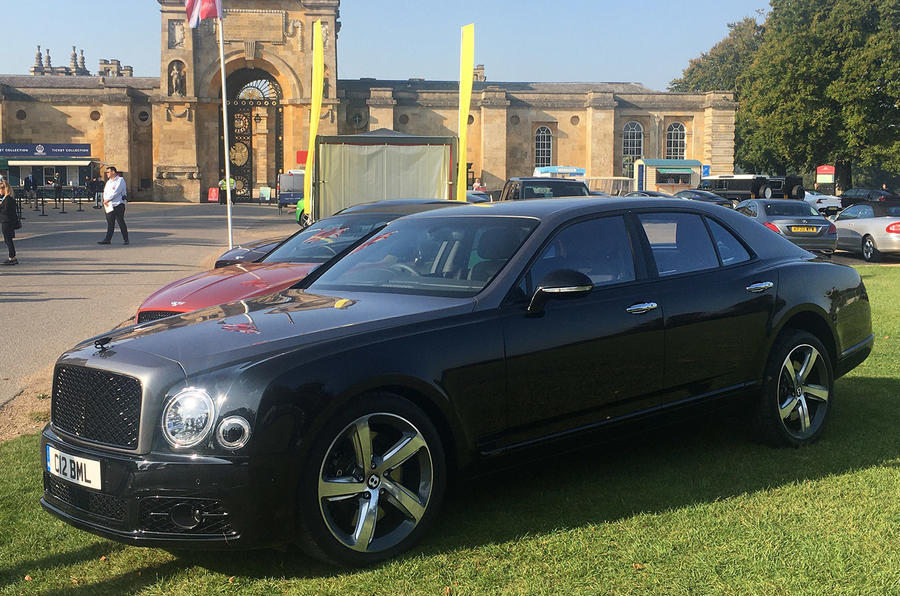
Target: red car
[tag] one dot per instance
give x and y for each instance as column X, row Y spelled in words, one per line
column 288, row 263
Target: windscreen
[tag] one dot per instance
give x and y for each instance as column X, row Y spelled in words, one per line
column 798, row 209
column 453, row 257
column 327, row 237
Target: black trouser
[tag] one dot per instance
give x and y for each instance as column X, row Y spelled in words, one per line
column 8, row 235
column 116, row 215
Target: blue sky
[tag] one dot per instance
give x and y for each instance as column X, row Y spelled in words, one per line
column 648, row 42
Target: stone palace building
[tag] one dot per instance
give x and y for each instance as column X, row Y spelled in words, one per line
column 164, row 133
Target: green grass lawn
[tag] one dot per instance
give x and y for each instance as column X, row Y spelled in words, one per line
column 697, row 509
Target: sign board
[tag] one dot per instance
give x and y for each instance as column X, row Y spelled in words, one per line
column 45, row 149
column 301, row 156
column 640, row 185
column 825, row 175
column 705, row 171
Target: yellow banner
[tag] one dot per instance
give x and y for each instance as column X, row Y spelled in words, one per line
column 318, row 81
column 466, row 70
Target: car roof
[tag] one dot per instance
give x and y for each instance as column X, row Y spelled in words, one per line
column 402, row 206
column 544, row 179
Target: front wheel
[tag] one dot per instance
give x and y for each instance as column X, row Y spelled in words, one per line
column 797, row 390
column 869, row 252
column 372, row 482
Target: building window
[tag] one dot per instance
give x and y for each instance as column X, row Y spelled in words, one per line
column 675, row 141
column 632, row 146
column 543, row 147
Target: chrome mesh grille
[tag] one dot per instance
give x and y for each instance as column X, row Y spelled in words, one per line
column 153, row 315
column 97, row 405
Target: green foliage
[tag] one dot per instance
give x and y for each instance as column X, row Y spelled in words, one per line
column 719, row 69
column 823, row 87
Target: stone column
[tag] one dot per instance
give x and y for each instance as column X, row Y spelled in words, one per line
column 494, row 106
column 381, row 104
column 600, row 108
column 718, row 132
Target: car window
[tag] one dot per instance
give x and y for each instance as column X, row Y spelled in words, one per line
column 555, row 188
column 893, row 211
column 748, row 209
column 453, row 257
column 600, row 248
column 849, row 213
column 327, row 237
column 679, row 241
column 793, row 209
column 866, row 211
column 730, row 249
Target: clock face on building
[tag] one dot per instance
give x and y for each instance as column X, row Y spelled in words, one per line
column 241, row 123
column 239, row 154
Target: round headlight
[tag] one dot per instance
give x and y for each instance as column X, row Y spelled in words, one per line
column 188, row 417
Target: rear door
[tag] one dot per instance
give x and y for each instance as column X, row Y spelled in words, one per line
column 716, row 300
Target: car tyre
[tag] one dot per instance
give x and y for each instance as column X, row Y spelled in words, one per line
column 870, row 252
column 797, row 390
column 765, row 191
column 372, row 482
column 798, row 192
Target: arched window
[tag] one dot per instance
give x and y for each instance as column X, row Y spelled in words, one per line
column 632, row 146
column 543, row 147
column 675, row 141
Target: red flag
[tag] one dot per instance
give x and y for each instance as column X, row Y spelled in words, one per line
column 197, row 10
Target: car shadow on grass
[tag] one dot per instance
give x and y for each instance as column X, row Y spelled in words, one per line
column 708, row 459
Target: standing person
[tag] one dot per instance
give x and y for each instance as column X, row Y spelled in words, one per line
column 57, row 188
column 9, row 220
column 114, row 205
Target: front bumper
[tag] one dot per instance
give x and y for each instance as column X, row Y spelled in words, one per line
column 172, row 501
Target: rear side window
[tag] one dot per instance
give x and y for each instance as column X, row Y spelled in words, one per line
column 730, row 249
column 679, row 241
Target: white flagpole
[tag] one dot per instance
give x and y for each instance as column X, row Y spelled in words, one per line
column 225, row 132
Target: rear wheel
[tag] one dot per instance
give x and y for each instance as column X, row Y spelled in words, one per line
column 765, row 191
column 797, row 390
column 869, row 252
column 798, row 192
column 372, row 483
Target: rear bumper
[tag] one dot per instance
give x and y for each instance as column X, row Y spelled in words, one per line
column 816, row 243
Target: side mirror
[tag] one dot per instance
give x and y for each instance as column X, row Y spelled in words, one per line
column 562, row 283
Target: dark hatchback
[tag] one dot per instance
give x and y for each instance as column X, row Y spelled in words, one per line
column 706, row 197
column 859, row 195
column 332, row 414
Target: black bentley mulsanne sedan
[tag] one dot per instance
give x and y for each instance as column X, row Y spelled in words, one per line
column 332, row 413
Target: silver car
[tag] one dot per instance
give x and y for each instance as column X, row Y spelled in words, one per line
column 870, row 229
column 798, row 221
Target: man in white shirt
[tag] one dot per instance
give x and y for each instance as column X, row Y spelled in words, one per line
column 114, row 204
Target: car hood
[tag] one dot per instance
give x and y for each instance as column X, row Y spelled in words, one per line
column 235, row 282
column 273, row 324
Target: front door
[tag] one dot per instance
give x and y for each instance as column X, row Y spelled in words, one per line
column 588, row 358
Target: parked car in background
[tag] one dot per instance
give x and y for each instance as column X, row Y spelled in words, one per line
column 706, row 197
column 289, row 189
column 477, row 196
column 824, row 204
column 285, row 264
column 797, row 221
column 648, row 194
column 858, row 195
column 336, row 413
column 517, row 189
column 870, row 229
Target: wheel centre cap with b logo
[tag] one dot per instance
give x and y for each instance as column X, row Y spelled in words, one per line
column 373, row 481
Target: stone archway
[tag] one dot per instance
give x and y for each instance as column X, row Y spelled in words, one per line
column 255, row 131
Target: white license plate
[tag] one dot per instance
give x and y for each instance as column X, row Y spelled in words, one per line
column 79, row 470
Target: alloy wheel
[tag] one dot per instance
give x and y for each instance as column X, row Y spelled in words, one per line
column 803, row 391
column 375, row 482
column 868, row 248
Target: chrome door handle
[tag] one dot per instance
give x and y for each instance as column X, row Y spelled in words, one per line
column 760, row 286
column 640, row 307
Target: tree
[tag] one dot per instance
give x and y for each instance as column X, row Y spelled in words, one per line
column 823, row 87
column 718, row 70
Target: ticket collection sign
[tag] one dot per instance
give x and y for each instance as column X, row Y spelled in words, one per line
column 45, row 150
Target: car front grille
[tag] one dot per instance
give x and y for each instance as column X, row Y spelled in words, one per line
column 210, row 515
column 97, row 405
column 93, row 502
column 153, row 315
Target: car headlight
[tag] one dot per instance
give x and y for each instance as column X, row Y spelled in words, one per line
column 188, row 417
